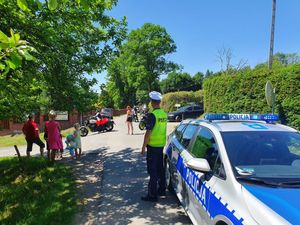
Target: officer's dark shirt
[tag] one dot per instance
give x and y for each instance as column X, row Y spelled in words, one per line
column 150, row 121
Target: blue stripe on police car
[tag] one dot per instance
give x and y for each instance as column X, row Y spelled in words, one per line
column 209, row 199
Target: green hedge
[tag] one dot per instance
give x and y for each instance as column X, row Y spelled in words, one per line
column 181, row 97
column 244, row 92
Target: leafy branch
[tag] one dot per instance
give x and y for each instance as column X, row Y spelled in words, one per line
column 12, row 51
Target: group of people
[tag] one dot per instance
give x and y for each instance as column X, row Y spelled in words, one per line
column 52, row 136
column 153, row 144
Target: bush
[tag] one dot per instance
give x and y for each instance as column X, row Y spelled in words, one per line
column 182, row 97
column 244, row 92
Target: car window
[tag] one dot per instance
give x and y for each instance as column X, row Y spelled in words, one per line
column 182, row 109
column 272, row 155
column 204, row 142
column 205, row 147
column 179, row 131
column 218, row 169
column 197, row 108
column 189, row 108
column 188, row 134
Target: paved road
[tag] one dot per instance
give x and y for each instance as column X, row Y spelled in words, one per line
column 124, row 180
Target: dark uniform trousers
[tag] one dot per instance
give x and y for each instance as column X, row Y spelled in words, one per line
column 156, row 171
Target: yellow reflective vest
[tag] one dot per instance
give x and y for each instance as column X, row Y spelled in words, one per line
column 159, row 132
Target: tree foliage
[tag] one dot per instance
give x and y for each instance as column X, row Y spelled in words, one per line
column 104, row 100
column 181, row 81
column 141, row 61
column 72, row 40
column 12, row 51
column 286, row 59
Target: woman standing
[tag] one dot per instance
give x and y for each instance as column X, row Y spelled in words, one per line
column 129, row 119
column 54, row 140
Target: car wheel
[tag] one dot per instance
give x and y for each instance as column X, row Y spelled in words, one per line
column 178, row 118
column 221, row 223
column 168, row 177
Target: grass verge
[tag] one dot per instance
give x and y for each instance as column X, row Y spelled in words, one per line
column 19, row 139
column 38, row 193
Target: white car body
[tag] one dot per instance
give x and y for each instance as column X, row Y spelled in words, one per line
column 221, row 199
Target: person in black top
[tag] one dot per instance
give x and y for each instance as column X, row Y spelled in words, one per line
column 129, row 120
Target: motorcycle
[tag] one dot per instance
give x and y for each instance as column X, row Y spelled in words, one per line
column 135, row 117
column 142, row 123
column 135, row 114
column 96, row 124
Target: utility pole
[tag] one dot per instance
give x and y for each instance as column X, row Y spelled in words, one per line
column 272, row 35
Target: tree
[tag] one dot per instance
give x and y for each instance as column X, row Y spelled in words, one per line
column 181, row 81
column 71, row 41
column 177, row 81
column 198, row 80
column 224, row 57
column 286, row 59
column 208, row 73
column 12, row 49
column 141, row 61
column 104, row 100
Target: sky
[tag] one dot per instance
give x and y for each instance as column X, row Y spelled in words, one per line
column 202, row 27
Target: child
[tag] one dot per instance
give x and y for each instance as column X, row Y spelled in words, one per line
column 71, row 144
column 77, row 140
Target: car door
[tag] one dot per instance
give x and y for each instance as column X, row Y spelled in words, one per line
column 197, row 111
column 173, row 150
column 198, row 183
column 188, row 112
column 184, row 142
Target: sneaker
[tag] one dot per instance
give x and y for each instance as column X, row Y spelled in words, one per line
column 147, row 198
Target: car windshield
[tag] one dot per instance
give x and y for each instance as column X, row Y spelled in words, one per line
column 182, row 109
column 264, row 155
column 106, row 110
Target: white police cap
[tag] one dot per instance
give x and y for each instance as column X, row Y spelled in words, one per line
column 156, row 96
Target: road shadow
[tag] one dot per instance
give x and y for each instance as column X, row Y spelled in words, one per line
column 124, row 182
column 88, row 173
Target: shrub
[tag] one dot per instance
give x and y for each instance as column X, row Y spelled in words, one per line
column 182, row 97
column 244, row 92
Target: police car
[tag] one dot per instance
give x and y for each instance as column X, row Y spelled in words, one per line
column 235, row 169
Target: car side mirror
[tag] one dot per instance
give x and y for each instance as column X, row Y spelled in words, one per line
column 199, row 164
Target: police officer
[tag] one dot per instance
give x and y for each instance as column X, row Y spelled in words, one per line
column 154, row 140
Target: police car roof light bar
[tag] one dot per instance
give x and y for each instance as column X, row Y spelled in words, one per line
column 269, row 118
